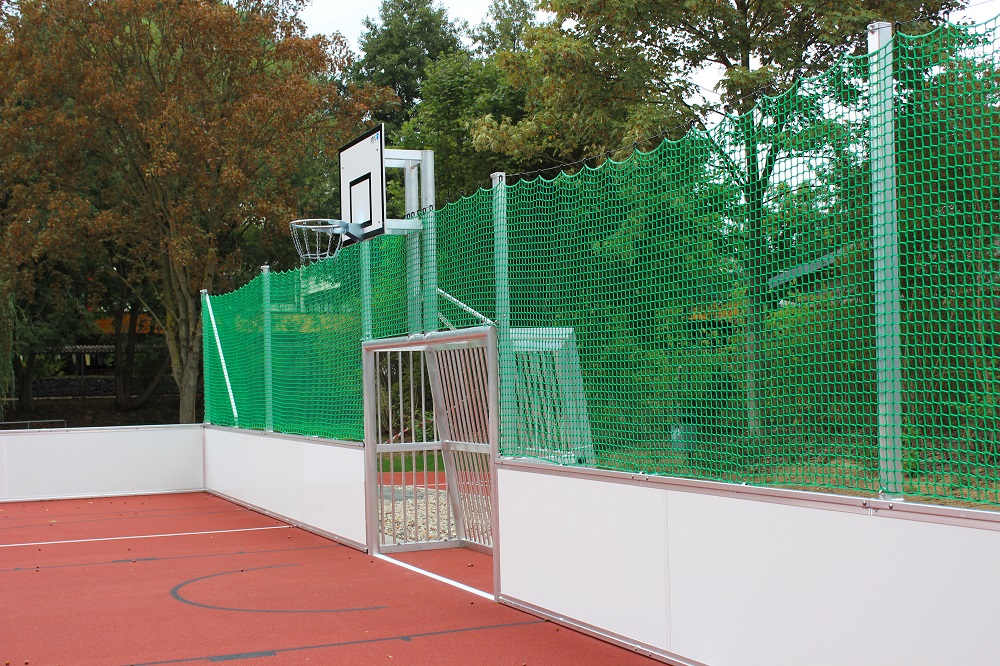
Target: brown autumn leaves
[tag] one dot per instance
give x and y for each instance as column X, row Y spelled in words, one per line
column 145, row 139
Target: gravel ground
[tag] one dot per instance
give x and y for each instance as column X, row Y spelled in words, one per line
column 416, row 514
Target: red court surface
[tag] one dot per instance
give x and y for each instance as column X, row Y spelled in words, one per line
column 193, row 579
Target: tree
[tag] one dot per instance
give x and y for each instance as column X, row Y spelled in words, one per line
column 6, row 341
column 948, row 157
column 761, row 47
column 397, row 50
column 48, row 294
column 191, row 118
column 580, row 100
column 458, row 89
column 504, row 28
column 461, row 87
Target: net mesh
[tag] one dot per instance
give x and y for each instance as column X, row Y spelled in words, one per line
column 314, row 386
column 806, row 296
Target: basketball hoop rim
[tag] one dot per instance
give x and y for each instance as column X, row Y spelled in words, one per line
column 327, row 236
column 320, row 225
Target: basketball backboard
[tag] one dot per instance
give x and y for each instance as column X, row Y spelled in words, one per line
column 362, row 182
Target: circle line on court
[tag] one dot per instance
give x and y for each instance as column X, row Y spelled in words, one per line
column 176, row 594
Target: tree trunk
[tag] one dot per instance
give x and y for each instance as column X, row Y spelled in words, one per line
column 125, row 350
column 143, row 398
column 24, row 371
column 184, row 344
column 121, row 395
column 189, row 385
column 755, row 329
column 182, row 329
column 130, row 340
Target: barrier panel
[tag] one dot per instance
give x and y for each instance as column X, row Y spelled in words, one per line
column 705, row 573
column 93, row 462
column 312, row 483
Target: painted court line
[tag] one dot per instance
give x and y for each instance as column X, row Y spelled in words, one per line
column 442, row 579
column 61, row 520
column 176, row 594
column 364, row 641
column 233, row 553
column 145, row 536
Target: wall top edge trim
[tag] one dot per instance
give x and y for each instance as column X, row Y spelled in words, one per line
column 289, row 436
column 419, row 340
column 124, row 493
column 873, row 506
column 105, row 429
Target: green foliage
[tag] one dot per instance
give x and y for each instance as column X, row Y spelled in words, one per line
column 461, row 88
column 47, row 288
column 603, row 75
column 398, row 48
column 420, row 462
column 458, row 89
column 579, row 100
column 761, row 47
column 625, row 256
column 504, row 28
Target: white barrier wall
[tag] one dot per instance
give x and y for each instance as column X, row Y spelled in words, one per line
column 90, row 462
column 315, row 483
column 714, row 575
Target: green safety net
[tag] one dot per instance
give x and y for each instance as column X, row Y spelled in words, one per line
column 309, row 382
column 738, row 305
column 806, row 296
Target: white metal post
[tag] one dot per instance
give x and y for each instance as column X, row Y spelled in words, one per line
column 222, row 358
column 493, row 392
column 414, row 320
column 885, row 242
column 502, row 276
column 429, row 236
column 265, row 273
column 204, row 357
column 372, row 471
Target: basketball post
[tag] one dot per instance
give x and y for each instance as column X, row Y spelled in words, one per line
column 418, row 181
column 414, row 315
column 429, row 236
